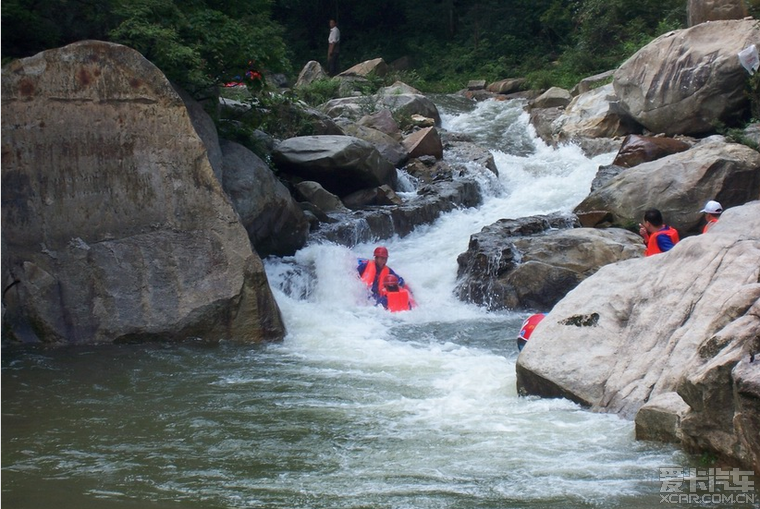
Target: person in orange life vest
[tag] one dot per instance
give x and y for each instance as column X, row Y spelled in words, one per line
column 373, row 272
column 396, row 298
column 658, row 236
column 712, row 212
column 527, row 329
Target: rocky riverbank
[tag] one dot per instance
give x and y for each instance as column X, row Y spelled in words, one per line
column 126, row 218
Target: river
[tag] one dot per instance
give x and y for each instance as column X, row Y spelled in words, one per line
column 356, row 408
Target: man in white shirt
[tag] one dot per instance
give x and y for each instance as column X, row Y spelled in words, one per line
column 333, row 48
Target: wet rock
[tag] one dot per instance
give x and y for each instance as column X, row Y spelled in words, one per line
column 531, row 263
column 473, row 153
column 315, row 194
column 393, row 151
column 425, row 142
column 693, row 336
column 274, row 221
column 399, row 98
column 383, row 121
column 659, row 419
column 385, row 222
column 341, row 164
column 594, row 114
column 382, row 195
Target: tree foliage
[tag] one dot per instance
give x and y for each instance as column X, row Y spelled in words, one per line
column 201, row 42
column 196, row 43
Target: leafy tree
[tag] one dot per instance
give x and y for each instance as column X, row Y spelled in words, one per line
column 200, row 44
column 31, row 26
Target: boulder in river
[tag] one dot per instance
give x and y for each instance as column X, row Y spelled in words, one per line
column 115, row 228
column 341, row 164
column 532, row 262
column 675, row 334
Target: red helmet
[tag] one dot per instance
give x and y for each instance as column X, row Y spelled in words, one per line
column 381, row 251
column 390, row 280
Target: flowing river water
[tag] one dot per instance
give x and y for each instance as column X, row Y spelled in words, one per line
column 356, row 408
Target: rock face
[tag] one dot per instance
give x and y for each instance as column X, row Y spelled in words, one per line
column 507, row 86
column 274, row 221
column 391, row 150
column 532, row 262
column 341, row 164
column 687, row 81
column 679, row 184
column 699, row 11
column 552, row 98
column 115, row 228
column 593, row 114
column 686, row 322
column 399, row 98
column 376, row 66
column 425, row 142
column 641, row 149
column 310, row 73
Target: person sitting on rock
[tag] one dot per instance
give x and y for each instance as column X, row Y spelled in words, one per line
column 395, row 298
column 374, row 272
column 658, row 237
column 712, row 212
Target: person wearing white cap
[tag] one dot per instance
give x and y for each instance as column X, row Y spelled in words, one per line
column 712, row 212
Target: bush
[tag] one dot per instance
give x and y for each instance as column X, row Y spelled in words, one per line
column 319, row 91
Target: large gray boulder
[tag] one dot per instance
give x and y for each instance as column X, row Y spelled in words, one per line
column 594, row 114
column 392, row 150
column 341, row 164
column 688, row 81
column 115, row 228
column 399, row 98
column 679, row 184
column 699, row 11
column 274, row 221
column 531, row 263
column 638, row 149
column 552, row 98
column 685, row 322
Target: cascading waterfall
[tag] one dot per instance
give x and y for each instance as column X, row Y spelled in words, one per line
column 357, row 407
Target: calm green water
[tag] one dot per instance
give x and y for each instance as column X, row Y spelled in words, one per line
column 392, row 423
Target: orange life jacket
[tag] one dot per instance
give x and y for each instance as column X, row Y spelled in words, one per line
column 653, row 247
column 399, row 301
column 370, row 277
column 710, row 223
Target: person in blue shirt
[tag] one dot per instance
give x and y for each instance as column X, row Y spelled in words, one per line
column 374, row 272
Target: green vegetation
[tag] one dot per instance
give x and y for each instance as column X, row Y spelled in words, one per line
column 205, row 42
column 201, row 44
